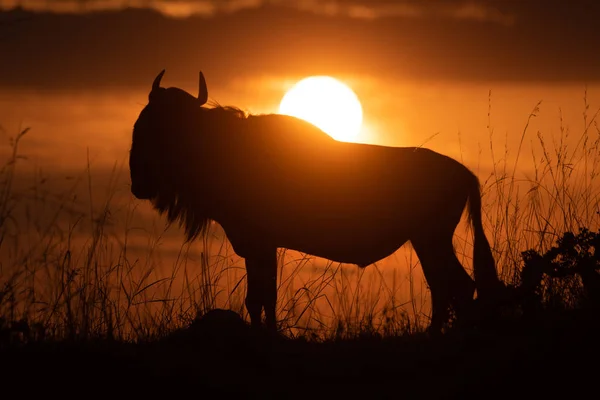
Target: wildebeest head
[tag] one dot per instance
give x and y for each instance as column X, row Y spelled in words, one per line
column 168, row 112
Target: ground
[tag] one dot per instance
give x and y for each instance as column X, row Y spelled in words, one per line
column 549, row 356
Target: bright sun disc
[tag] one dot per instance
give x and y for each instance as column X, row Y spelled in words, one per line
column 327, row 103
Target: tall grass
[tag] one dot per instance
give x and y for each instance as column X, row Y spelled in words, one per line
column 557, row 194
column 82, row 264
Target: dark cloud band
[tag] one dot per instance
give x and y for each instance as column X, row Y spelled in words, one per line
column 482, row 10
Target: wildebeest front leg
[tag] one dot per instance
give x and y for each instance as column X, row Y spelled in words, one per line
column 261, row 273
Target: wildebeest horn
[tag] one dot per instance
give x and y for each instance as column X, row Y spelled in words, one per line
column 156, row 83
column 202, row 91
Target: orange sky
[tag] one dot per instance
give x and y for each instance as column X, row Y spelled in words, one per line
column 449, row 117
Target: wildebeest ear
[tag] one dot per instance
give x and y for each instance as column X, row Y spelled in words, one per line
column 202, row 91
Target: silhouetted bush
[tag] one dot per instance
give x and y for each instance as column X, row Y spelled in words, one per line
column 564, row 277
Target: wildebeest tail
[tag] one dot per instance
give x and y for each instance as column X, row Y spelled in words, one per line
column 484, row 266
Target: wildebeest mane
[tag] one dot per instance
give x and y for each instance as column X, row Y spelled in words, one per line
column 225, row 112
column 177, row 202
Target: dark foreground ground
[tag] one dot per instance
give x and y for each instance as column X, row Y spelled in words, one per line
column 551, row 357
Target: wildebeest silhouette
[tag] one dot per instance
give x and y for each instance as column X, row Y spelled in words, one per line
column 275, row 181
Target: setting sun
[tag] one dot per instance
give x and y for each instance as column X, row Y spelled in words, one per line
column 327, row 103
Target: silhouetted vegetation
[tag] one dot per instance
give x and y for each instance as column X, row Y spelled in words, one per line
column 565, row 276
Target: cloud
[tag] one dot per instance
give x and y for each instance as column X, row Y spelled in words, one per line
column 172, row 8
column 362, row 9
column 466, row 10
column 481, row 10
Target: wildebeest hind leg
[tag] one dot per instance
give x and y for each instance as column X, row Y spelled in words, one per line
column 449, row 283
